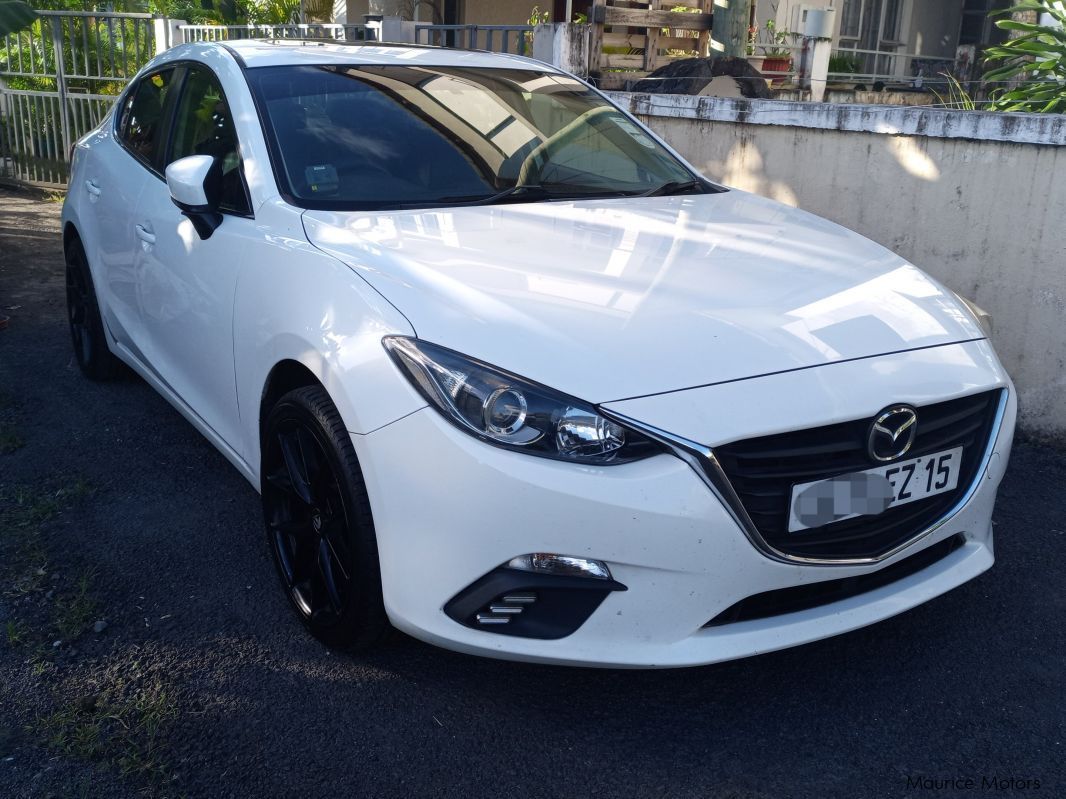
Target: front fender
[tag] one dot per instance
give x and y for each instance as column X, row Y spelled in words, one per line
column 294, row 302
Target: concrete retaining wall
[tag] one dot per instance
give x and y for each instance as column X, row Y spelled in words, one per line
column 976, row 199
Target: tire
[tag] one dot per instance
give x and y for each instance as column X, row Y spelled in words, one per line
column 94, row 357
column 318, row 522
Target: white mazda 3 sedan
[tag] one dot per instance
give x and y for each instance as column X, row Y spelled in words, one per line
column 511, row 376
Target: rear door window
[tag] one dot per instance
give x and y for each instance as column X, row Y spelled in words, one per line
column 142, row 118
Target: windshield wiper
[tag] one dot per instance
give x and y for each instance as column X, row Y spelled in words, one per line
column 673, row 187
column 535, row 192
column 526, row 192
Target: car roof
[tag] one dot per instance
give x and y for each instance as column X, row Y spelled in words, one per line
column 270, row 53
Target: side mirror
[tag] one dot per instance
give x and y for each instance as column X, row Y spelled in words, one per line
column 195, row 184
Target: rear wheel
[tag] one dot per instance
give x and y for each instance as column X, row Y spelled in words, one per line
column 318, row 521
column 86, row 326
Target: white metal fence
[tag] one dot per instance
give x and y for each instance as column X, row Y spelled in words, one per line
column 222, row 33
column 497, row 38
column 58, row 78
column 32, row 148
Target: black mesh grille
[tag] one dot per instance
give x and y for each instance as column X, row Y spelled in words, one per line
column 764, row 470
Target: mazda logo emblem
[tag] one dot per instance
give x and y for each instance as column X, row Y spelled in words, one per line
column 892, row 433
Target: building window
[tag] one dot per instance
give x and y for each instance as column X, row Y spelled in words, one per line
column 978, row 27
column 874, row 26
column 871, row 22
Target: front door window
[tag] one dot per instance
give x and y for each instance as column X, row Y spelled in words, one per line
column 203, row 125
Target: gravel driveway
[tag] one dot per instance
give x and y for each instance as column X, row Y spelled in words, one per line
column 116, row 514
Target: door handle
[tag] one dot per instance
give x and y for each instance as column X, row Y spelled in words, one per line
column 93, row 189
column 145, row 235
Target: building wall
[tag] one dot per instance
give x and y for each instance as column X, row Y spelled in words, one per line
column 974, row 201
column 500, row 12
column 479, row 12
column 356, row 10
column 782, row 11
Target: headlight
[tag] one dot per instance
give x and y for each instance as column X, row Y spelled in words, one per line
column 984, row 318
column 513, row 413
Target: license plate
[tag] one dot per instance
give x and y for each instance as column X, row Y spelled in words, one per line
column 873, row 491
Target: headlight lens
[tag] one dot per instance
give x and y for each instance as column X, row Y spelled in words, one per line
column 510, row 412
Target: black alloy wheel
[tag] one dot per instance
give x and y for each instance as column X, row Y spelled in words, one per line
column 318, row 521
column 83, row 313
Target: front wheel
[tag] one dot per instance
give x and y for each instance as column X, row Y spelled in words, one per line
column 318, row 521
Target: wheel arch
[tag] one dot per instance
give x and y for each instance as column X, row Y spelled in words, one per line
column 367, row 393
column 70, row 235
column 285, row 376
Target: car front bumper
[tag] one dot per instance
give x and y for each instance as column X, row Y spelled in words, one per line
column 449, row 509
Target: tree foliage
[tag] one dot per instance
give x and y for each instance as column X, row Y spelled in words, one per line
column 271, row 12
column 1035, row 59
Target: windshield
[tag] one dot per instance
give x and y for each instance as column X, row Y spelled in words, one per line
column 376, row 137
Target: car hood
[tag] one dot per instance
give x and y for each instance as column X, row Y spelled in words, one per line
column 617, row 298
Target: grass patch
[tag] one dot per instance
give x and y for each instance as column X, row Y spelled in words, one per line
column 23, row 556
column 76, row 611
column 15, row 633
column 116, row 727
column 22, row 507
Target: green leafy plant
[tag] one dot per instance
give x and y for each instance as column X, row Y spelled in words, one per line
column 14, row 16
column 272, row 12
column 848, row 64
column 1036, row 58
column 768, row 41
column 538, row 17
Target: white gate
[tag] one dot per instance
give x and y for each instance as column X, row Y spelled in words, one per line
column 58, row 78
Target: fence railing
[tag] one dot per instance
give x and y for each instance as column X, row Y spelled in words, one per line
column 82, row 47
column 32, row 146
column 497, row 38
column 870, row 66
column 221, row 33
column 58, row 77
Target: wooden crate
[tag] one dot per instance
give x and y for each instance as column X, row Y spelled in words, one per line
column 632, row 38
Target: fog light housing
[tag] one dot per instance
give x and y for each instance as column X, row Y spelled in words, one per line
column 549, row 563
column 540, row 595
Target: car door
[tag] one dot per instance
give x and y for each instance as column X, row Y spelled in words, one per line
column 186, row 284
column 123, row 161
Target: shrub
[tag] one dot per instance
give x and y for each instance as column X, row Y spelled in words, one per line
column 1037, row 57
